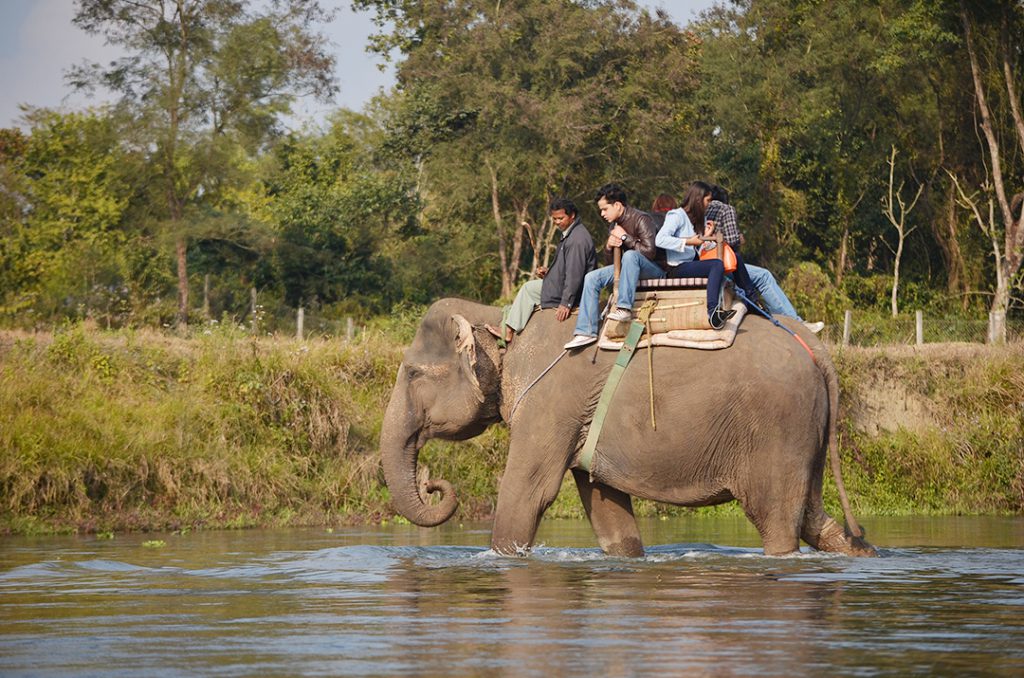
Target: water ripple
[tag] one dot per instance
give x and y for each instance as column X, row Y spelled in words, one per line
column 308, row 603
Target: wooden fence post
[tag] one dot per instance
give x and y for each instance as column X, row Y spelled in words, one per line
column 349, row 328
column 206, row 297
column 847, row 325
column 997, row 327
column 299, row 321
column 919, row 317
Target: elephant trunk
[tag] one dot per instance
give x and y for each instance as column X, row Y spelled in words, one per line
column 399, row 447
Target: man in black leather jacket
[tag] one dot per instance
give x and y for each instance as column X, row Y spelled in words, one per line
column 632, row 231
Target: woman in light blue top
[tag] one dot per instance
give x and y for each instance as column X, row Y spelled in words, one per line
column 680, row 241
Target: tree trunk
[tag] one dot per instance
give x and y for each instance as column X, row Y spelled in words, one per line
column 1001, row 301
column 896, row 276
column 545, row 236
column 841, row 257
column 1008, row 264
column 946, row 233
column 499, row 231
column 517, row 242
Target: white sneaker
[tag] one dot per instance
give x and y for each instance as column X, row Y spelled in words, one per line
column 578, row 341
column 621, row 315
column 814, row 327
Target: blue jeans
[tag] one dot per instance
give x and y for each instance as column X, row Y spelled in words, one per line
column 635, row 266
column 774, row 298
column 712, row 269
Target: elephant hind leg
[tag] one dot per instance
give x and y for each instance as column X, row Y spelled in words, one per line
column 823, row 533
column 777, row 517
column 779, row 531
column 611, row 515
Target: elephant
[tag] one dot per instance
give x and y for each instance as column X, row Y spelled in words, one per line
column 750, row 423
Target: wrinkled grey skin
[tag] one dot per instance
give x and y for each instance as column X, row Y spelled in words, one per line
column 750, row 423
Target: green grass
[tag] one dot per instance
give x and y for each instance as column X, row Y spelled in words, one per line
column 965, row 457
column 115, row 431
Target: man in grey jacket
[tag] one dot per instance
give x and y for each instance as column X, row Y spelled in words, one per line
column 560, row 285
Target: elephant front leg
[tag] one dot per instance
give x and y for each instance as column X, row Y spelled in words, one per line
column 611, row 515
column 529, row 485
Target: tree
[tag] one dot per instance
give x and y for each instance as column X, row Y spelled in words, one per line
column 800, row 109
column 1004, row 229
column 331, row 210
column 890, row 207
column 68, row 240
column 201, row 75
column 503, row 106
column 13, row 203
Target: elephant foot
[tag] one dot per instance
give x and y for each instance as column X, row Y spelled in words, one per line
column 611, row 515
column 509, row 547
column 834, row 539
column 630, row 547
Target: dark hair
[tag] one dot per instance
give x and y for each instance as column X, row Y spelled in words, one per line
column 693, row 202
column 664, row 203
column 612, row 193
column 720, row 194
column 563, row 204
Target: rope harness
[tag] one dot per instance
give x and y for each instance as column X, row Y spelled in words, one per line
column 773, row 321
column 533, row 383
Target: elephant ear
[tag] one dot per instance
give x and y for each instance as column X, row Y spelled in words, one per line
column 465, row 348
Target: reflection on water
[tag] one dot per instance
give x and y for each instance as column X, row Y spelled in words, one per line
column 947, row 596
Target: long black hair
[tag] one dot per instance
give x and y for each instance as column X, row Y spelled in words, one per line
column 693, row 203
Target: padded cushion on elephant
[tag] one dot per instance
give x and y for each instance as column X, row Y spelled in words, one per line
column 706, row 339
column 676, row 309
column 671, row 284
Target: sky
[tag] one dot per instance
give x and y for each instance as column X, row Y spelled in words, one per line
column 38, row 43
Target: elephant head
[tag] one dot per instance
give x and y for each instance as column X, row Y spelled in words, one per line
column 447, row 387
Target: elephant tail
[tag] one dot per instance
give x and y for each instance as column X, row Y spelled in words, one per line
column 832, row 383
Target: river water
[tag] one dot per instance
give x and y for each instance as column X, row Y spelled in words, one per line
column 945, row 597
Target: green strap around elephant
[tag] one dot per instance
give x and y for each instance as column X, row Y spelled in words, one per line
column 636, row 331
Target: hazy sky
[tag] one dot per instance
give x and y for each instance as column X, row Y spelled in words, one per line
column 38, row 43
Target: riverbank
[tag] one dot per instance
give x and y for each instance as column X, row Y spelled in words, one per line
column 112, row 431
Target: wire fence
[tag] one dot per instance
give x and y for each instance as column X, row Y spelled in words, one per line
column 870, row 329
column 860, row 328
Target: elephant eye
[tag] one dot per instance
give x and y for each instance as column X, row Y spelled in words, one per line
column 413, row 372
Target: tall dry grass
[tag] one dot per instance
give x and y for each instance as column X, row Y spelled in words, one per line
column 141, row 430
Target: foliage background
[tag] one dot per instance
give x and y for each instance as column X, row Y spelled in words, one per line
column 440, row 186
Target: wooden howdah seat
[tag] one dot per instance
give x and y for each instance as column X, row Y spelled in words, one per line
column 681, row 304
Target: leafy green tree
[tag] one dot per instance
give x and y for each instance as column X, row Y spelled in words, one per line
column 69, row 239
column 502, row 106
column 801, row 121
column 332, row 210
column 201, row 78
column 13, row 203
